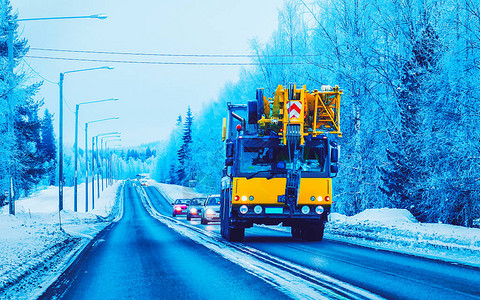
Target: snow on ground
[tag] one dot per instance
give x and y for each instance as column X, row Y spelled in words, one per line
column 398, row 230
column 387, row 229
column 33, row 247
column 173, row 192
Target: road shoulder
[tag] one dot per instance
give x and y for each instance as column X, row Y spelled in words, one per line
column 38, row 250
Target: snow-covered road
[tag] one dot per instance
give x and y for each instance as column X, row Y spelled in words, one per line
column 140, row 258
column 147, row 254
column 388, row 274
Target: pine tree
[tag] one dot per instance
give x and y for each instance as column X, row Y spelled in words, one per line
column 184, row 153
column 148, row 152
column 20, row 47
column 13, row 92
column 173, row 174
column 29, row 167
column 179, row 120
column 48, row 148
column 403, row 179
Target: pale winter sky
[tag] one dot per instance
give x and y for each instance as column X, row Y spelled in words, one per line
column 151, row 96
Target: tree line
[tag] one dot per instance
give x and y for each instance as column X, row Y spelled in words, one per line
column 410, row 73
column 27, row 148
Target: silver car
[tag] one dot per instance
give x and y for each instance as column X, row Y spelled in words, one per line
column 195, row 208
column 211, row 210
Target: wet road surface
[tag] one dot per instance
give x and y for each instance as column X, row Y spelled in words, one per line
column 388, row 274
column 140, row 258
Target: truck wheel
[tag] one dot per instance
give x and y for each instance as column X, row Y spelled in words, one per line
column 313, row 232
column 231, row 234
column 296, row 232
column 236, row 234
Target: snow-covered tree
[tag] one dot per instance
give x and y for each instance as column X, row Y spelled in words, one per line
column 17, row 109
column 48, row 147
column 410, row 120
column 29, row 167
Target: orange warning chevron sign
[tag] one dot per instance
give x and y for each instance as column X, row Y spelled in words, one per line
column 294, row 109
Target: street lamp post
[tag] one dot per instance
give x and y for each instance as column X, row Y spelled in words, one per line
column 110, row 161
column 109, row 139
column 86, row 158
column 111, row 171
column 100, row 154
column 60, row 139
column 93, row 172
column 77, row 107
column 97, row 16
column 60, row 133
column 99, row 169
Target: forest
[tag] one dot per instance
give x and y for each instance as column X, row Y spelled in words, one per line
column 410, row 116
column 27, row 148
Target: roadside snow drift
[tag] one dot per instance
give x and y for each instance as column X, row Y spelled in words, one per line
column 398, row 230
column 387, row 229
column 33, row 246
column 173, row 192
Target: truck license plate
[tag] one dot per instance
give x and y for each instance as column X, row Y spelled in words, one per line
column 274, row 210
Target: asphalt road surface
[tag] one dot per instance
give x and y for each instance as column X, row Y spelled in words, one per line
column 388, row 274
column 140, row 258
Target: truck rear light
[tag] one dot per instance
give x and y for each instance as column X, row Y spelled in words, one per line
column 319, row 198
column 243, row 209
column 250, row 198
column 258, row 209
column 319, row 210
column 244, row 198
column 236, row 198
column 305, row 209
column 327, row 198
column 312, row 198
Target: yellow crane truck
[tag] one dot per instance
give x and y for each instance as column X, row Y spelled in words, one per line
column 280, row 161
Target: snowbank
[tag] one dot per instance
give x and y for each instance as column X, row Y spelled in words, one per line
column 380, row 215
column 388, row 229
column 34, row 248
column 398, row 230
column 175, row 191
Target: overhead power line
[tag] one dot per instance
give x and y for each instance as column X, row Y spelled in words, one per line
column 163, row 62
column 171, row 54
column 47, row 80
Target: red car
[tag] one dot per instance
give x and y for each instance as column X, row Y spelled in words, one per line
column 180, row 207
